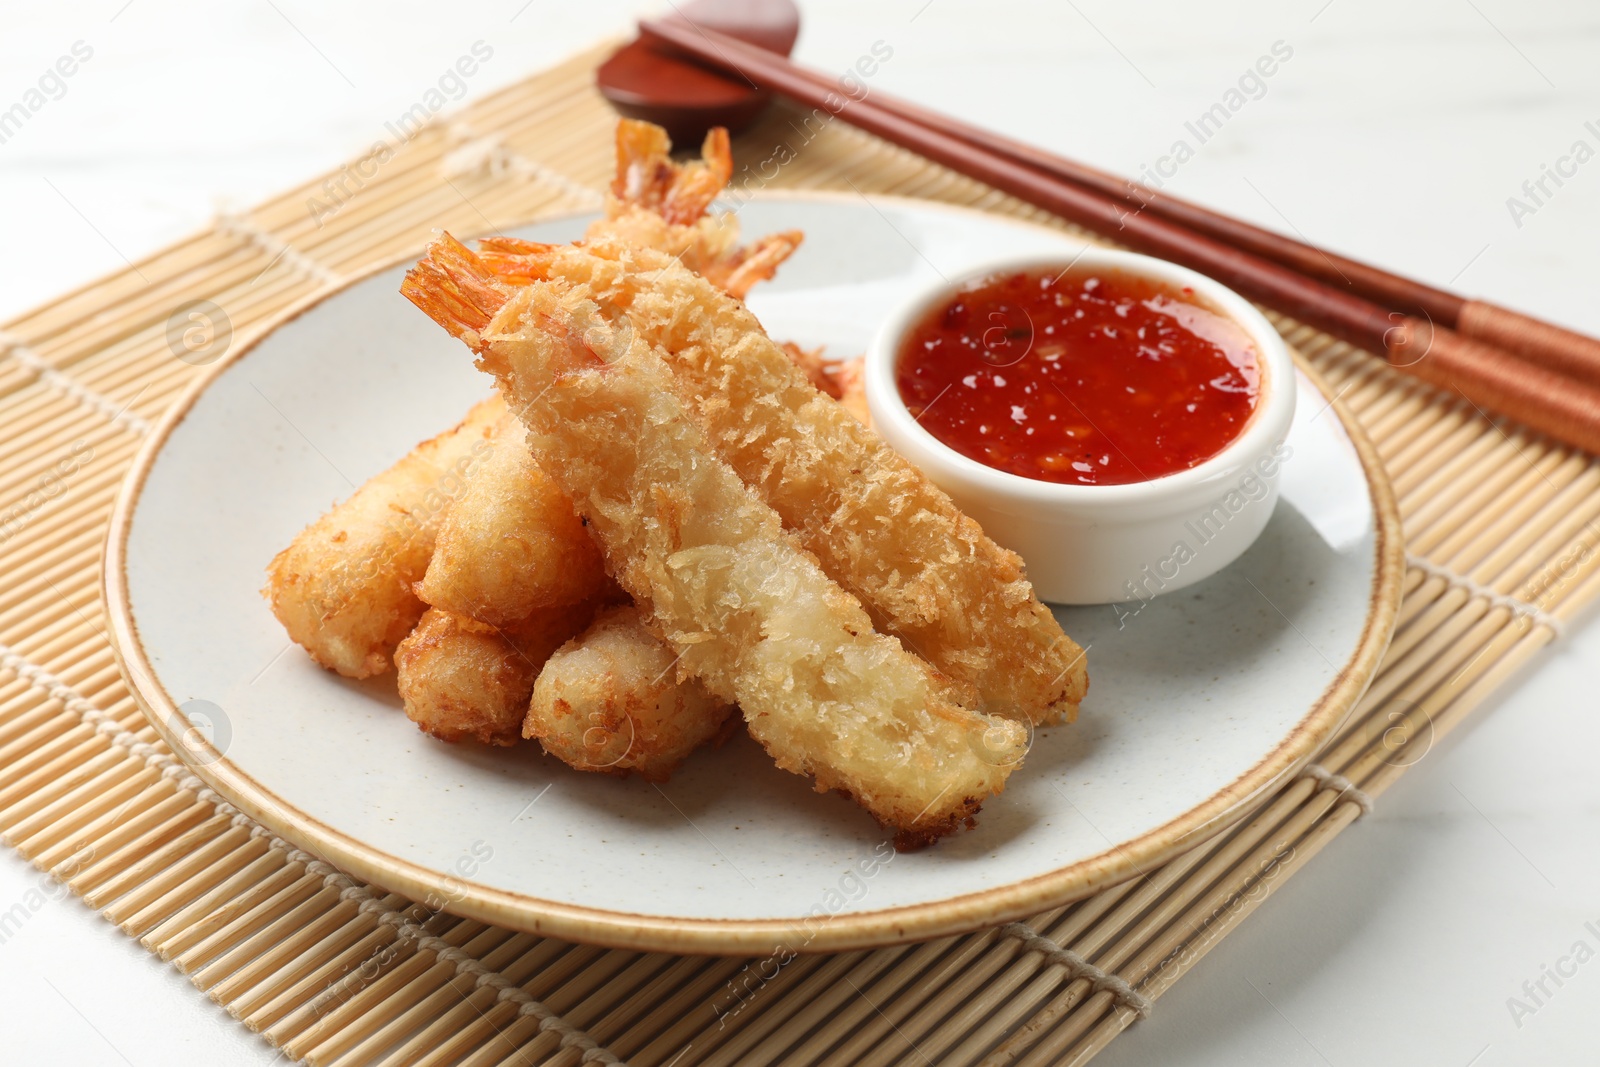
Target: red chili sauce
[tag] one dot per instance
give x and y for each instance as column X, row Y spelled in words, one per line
column 1091, row 378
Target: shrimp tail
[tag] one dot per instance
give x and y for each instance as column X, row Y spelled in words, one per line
column 648, row 178
column 454, row 288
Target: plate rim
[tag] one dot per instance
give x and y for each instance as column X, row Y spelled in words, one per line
column 699, row 936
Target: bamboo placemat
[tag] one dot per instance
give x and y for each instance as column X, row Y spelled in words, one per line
column 1500, row 528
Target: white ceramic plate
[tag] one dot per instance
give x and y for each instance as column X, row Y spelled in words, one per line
column 1199, row 703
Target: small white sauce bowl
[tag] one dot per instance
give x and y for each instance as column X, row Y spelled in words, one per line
column 1102, row 544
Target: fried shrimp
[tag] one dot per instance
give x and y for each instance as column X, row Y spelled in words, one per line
column 461, row 679
column 656, row 203
column 925, row 571
column 818, row 371
column 737, row 272
column 343, row 587
column 842, row 379
column 647, row 178
column 512, row 543
column 849, row 376
column 749, row 611
column 610, row 700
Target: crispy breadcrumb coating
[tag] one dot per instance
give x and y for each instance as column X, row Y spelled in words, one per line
column 511, row 544
column 610, row 700
column 462, row 680
column 849, row 377
column 343, row 587
column 926, row 572
column 749, row 611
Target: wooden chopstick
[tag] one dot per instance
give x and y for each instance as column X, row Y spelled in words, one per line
column 1562, row 350
column 1557, row 403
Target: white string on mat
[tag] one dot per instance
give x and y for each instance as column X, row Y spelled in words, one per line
column 97, row 402
column 1537, row 615
column 488, row 155
column 1347, row 789
column 156, row 757
column 1078, row 967
column 272, row 245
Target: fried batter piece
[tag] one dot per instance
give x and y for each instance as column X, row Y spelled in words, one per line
column 343, row 587
column 656, row 203
column 849, row 375
column 461, row 679
column 512, row 558
column 818, row 371
column 511, row 544
column 840, row 378
column 926, row 572
column 749, row 611
column 610, row 700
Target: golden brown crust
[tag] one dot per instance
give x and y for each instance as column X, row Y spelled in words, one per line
column 512, row 543
column 748, row 610
column 927, row 572
column 610, row 701
column 964, row 817
column 463, row 680
column 850, row 379
column 659, row 204
column 343, row 587
column 818, row 371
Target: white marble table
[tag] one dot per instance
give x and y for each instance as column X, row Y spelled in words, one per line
column 1393, row 132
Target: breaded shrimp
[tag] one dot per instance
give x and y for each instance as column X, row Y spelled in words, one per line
column 738, row 271
column 511, row 544
column 463, row 680
column 925, row 571
column 849, row 377
column 656, row 203
column 748, row 610
column 818, row 371
column 343, row 587
column 610, row 700
column 841, row 379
